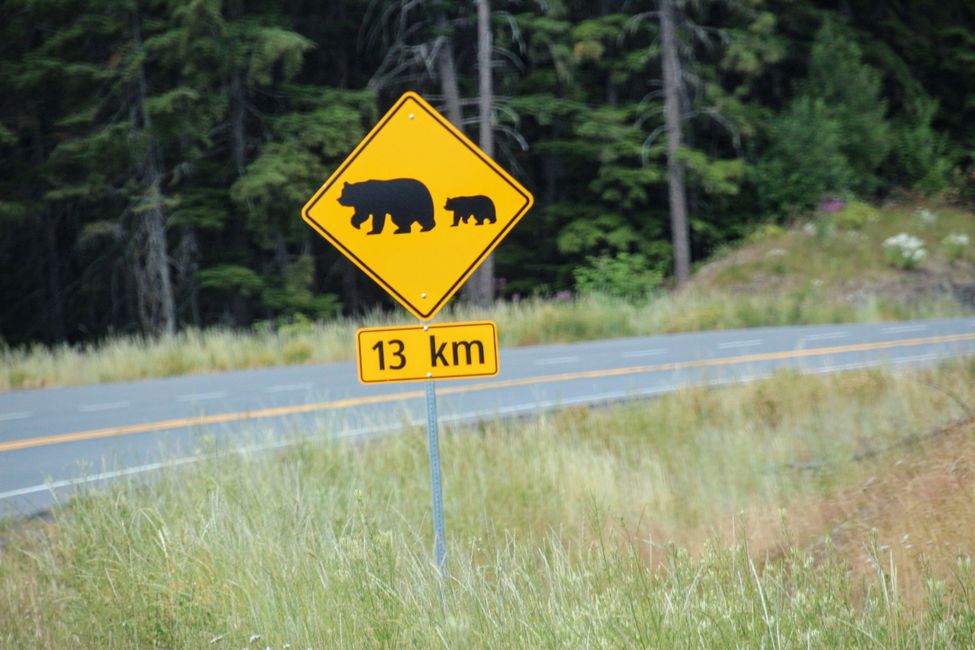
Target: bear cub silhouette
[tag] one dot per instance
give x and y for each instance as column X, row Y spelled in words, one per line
column 405, row 200
column 481, row 208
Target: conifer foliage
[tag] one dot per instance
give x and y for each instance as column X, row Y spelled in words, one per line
column 154, row 154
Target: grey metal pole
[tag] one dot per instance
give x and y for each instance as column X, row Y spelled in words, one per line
column 433, row 443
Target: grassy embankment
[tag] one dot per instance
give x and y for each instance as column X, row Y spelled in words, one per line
column 800, row 511
column 831, row 270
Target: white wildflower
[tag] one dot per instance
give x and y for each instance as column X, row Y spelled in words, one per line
column 955, row 245
column 925, row 216
column 904, row 251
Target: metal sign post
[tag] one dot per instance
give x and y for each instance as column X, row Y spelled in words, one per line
column 433, row 448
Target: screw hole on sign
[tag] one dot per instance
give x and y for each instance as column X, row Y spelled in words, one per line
column 411, row 116
column 429, row 374
column 423, row 295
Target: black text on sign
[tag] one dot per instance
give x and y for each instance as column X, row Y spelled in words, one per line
column 419, row 352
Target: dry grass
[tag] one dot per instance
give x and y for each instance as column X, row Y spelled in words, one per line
column 778, row 277
column 769, row 514
column 530, row 322
column 913, row 507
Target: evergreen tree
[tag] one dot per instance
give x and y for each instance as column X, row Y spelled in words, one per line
column 154, row 154
column 833, row 137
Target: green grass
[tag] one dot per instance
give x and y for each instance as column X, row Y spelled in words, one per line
column 844, row 252
column 778, row 277
column 526, row 323
column 693, row 520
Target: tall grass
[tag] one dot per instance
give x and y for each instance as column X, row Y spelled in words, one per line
column 528, row 322
column 777, row 277
column 766, row 515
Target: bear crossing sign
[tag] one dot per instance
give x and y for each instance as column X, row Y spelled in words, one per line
column 417, row 206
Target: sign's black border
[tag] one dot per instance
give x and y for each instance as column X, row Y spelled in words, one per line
column 384, row 330
column 424, row 315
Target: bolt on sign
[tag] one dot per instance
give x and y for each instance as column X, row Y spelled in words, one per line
column 417, row 206
column 421, row 352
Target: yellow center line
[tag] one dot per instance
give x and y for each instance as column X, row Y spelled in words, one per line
column 204, row 420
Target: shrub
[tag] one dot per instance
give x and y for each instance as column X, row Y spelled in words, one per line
column 855, row 215
column 624, row 275
column 904, row 251
column 920, row 155
column 954, row 246
column 765, row 232
column 804, row 160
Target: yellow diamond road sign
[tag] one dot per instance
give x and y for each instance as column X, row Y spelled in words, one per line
column 417, row 206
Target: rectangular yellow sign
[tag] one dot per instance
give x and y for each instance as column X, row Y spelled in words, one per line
column 419, row 352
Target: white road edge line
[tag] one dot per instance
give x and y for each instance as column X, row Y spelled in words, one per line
column 554, row 361
column 826, row 336
column 635, row 354
column 897, row 329
column 750, row 343
column 859, row 365
column 104, row 476
column 352, row 433
column 918, row 357
column 199, row 397
column 378, row 429
column 17, row 415
column 104, row 406
column 283, row 388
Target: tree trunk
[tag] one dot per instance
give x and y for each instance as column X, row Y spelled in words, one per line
column 157, row 256
column 49, row 225
column 237, row 98
column 237, row 116
column 186, row 267
column 448, row 77
column 480, row 287
column 337, row 15
column 54, row 285
column 612, row 94
column 484, row 76
column 350, row 287
column 680, row 234
column 156, row 295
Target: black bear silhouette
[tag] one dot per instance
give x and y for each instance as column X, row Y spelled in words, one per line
column 405, row 200
column 481, row 208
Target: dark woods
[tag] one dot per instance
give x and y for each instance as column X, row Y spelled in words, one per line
column 155, row 154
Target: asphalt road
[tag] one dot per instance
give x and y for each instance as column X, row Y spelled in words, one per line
column 52, row 441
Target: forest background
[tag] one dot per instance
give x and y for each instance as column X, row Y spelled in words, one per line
column 154, row 155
